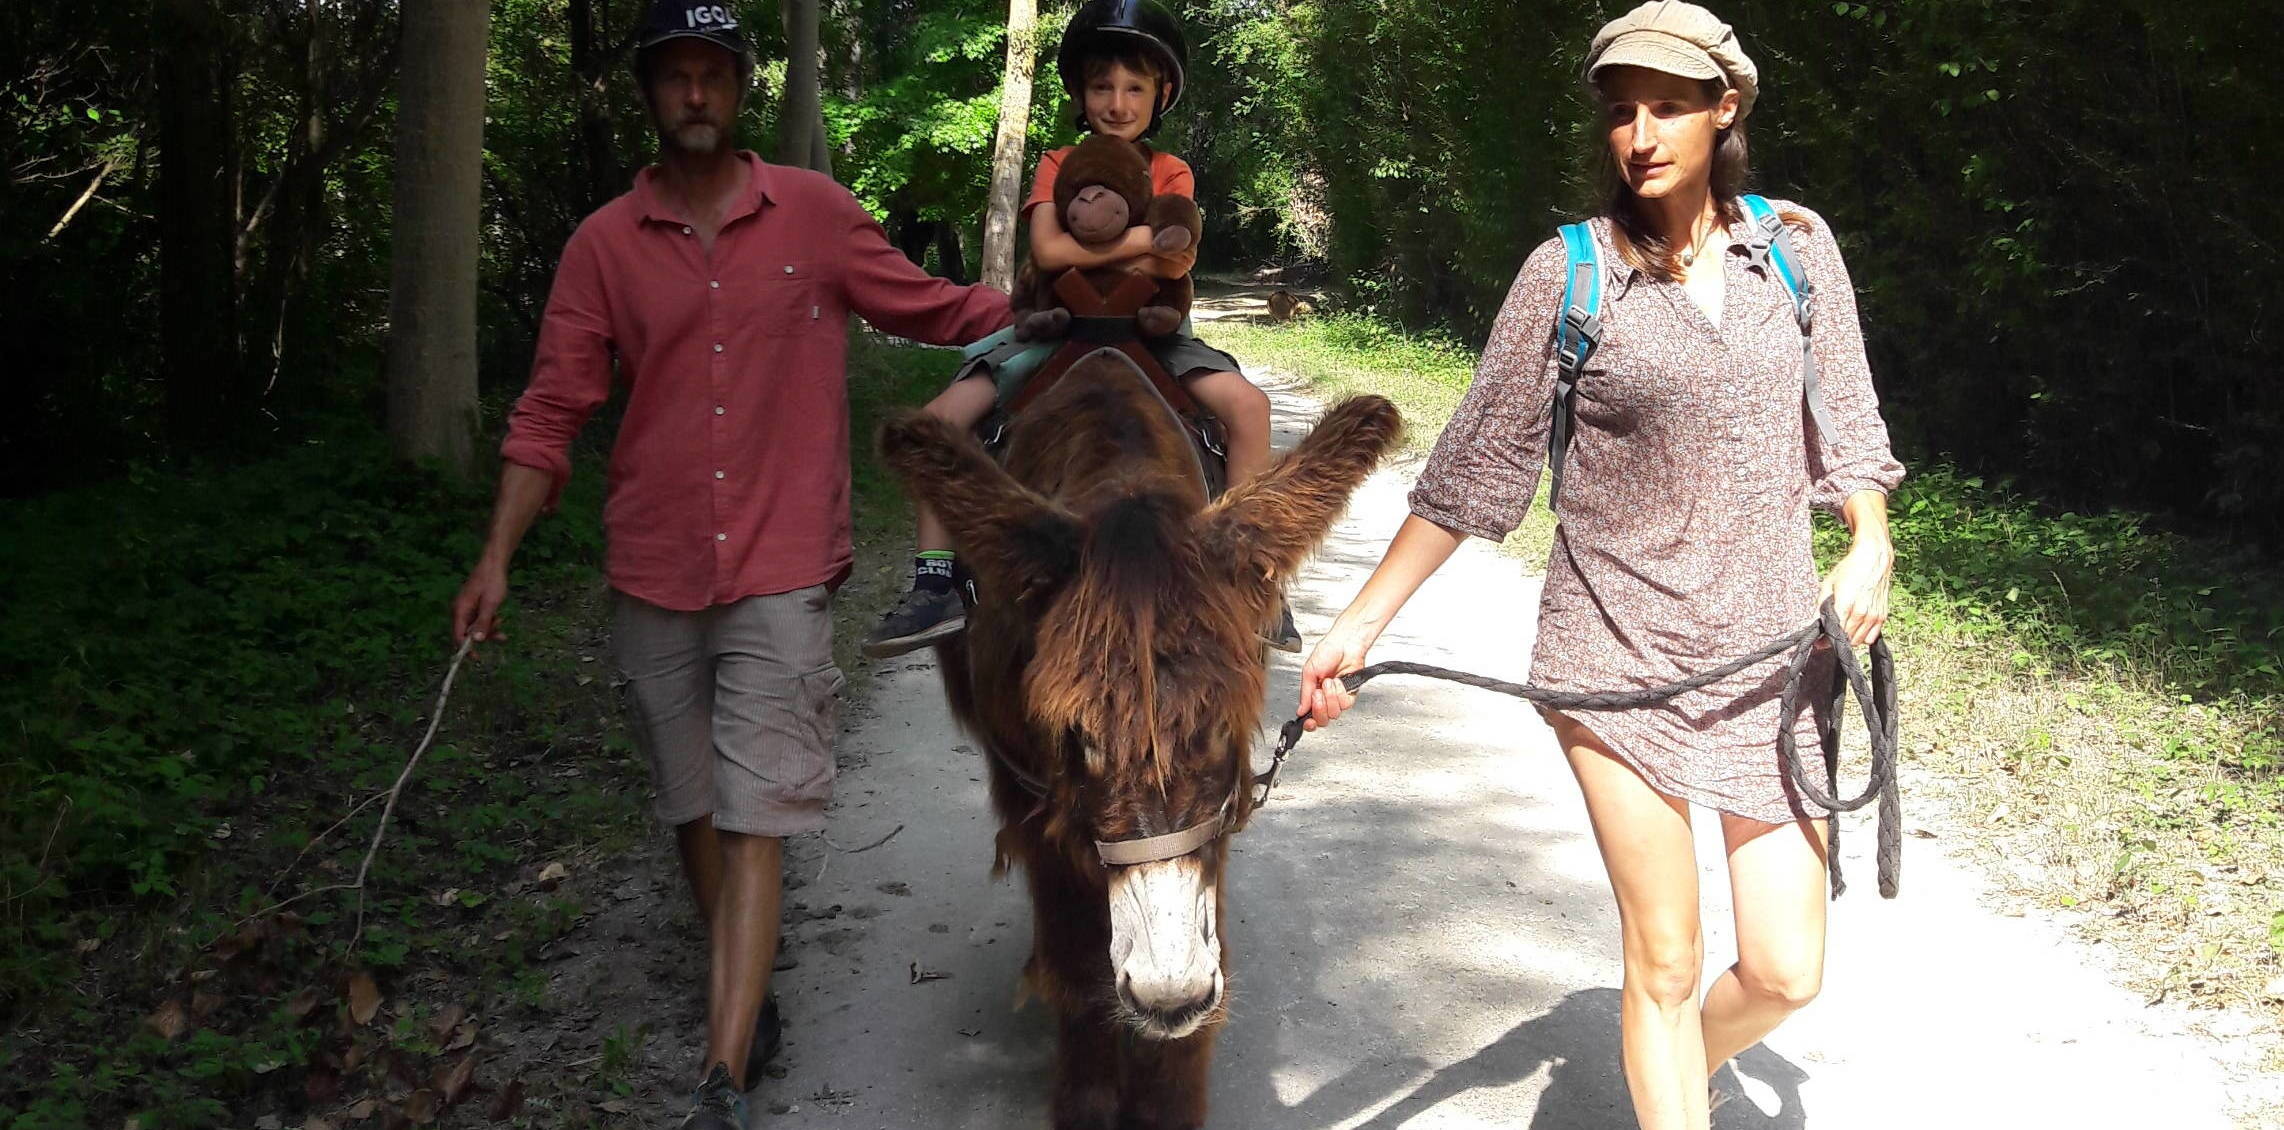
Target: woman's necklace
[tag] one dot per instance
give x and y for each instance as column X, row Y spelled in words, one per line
column 1689, row 256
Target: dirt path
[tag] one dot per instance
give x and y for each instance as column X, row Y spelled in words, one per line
column 1422, row 935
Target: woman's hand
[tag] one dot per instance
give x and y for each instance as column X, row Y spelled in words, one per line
column 1339, row 652
column 1858, row 585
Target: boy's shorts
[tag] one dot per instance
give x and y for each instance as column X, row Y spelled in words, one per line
column 735, row 706
column 1010, row 363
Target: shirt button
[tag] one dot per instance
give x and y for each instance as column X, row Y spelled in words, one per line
column 717, row 347
column 789, row 268
column 718, row 409
column 719, row 475
column 721, row 537
column 685, row 231
column 716, row 284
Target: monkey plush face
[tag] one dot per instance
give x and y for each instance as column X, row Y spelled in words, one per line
column 1101, row 189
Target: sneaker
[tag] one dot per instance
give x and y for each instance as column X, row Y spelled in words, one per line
column 768, row 1036
column 717, row 1104
column 1284, row 637
column 921, row 618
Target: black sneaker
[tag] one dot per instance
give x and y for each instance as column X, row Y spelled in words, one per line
column 1284, row 637
column 768, row 1036
column 921, row 618
column 717, row 1104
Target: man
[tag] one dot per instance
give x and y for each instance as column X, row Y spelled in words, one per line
column 722, row 286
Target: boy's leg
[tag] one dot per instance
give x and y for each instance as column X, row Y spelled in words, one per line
column 1244, row 411
column 931, row 610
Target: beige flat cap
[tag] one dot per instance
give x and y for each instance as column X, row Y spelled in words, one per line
column 1679, row 39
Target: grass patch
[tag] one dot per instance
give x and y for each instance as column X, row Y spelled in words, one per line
column 200, row 675
column 1426, row 375
column 2097, row 705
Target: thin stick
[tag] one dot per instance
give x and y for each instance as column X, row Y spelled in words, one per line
column 100, row 175
column 868, row 847
column 314, row 840
column 435, row 719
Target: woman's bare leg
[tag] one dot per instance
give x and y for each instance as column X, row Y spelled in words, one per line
column 1777, row 883
column 1646, row 846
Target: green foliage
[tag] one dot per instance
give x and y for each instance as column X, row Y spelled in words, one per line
column 176, row 644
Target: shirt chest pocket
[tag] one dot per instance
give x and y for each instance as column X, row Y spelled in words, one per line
column 788, row 299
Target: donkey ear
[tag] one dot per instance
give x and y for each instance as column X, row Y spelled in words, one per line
column 1014, row 539
column 1265, row 528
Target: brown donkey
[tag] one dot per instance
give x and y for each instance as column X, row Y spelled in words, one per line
column 1112, row 671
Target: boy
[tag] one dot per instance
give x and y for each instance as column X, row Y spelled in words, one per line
column 1121, row 62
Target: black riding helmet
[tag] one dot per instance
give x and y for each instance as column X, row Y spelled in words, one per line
column 716, row 23
column 1104, row 27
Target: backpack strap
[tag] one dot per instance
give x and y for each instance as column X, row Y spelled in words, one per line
column 1577, row 332
column 1770, row 244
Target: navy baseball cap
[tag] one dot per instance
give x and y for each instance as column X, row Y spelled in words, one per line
column 685, row 19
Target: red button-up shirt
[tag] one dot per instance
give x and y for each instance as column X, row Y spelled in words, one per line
column 731, row 473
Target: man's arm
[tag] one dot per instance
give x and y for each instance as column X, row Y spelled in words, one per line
column 524, row 491
column 570, row 376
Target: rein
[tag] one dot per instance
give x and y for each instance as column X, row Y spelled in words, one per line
column 1874, row 692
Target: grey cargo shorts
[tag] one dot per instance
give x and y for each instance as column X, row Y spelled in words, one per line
column 736, row 707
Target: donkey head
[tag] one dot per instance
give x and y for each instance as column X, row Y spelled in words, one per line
column 1132, row 611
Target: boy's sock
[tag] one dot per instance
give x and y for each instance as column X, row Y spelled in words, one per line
column 932, row 571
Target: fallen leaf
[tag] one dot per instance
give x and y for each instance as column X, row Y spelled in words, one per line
column 203, row 1005
column 919, row 974
column 452, row 1080
column 322, row 1085
column 505, row 1104
column 89, row 945
column 465, row 1037
column 353, row 1059
column 269, row 1122
column 447, row 896
column 317, row 1124
column 552, row 876
column 301, row 1004
column 170, row 1021
column 420, row 1107
column 447, row 1020
column 364, row 998
column 363, row 1110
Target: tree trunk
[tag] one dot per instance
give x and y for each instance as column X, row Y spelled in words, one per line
column 1007, row 149
column 592, row 62
column 801, row 121
column 198, row 229
column 439, row 194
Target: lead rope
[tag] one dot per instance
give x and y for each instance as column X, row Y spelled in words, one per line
column 1875, row 697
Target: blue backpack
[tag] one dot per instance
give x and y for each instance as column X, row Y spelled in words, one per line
column 1579, row 330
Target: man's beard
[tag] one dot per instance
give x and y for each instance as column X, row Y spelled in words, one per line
column 697, row 137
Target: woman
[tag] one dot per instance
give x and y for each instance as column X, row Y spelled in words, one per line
column 1684, row 540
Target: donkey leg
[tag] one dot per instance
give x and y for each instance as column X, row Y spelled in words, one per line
column 1166, row 1081
column 1070, row 967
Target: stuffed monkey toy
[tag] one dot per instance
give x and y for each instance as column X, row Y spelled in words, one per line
column 1101, row 190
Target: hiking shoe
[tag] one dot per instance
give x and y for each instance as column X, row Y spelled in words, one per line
column 1284, row 637
column 924, row 616
column 768, row 1036
column 717, row 1104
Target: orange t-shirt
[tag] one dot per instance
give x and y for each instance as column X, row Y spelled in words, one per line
column 1168, row 174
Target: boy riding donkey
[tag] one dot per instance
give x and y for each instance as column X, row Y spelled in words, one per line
column 1122, row 63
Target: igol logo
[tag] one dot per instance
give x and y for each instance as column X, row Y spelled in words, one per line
column 712, row 16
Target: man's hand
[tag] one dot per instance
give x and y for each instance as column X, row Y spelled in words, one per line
column 475, row 612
